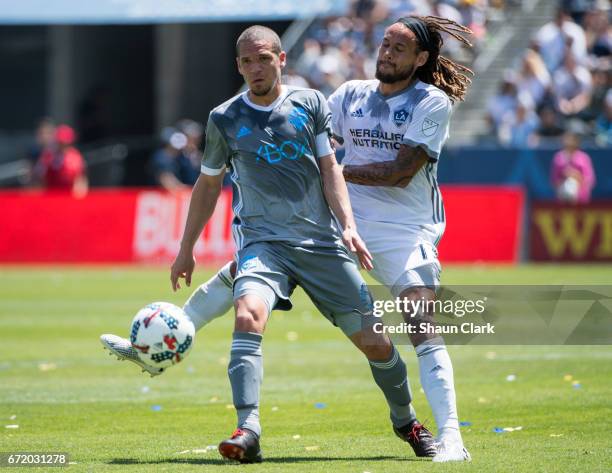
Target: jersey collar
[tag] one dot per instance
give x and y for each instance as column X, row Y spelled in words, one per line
column 399, row 92
column 262, row 108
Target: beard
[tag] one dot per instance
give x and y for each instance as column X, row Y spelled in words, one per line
column 395, row 76
column 265, row 90
column 262, row 92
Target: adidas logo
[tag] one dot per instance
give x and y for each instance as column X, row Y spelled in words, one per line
column 357, row 113
column 244, row 131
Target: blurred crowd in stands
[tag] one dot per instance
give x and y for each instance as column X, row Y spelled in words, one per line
column 557, row 92
column 338, row 49
column 562, row 82
column 56, row 164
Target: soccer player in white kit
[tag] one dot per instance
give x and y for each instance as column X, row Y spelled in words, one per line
column 393, row 129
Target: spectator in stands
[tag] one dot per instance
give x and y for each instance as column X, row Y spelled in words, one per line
column 291, row 77
column 603, row 125
column 171, row 168
column 473, row 13
column 193, row 131
column 44, row 138
column 601, row 85
column 503, row 102
column 448, row 10
column 329, row 75
column 577, row 9
column 306, row 65
column 598, row 33
column 555, row 37
column 572, row 174
column 551, row 128
column 573, row 86
column 518, row 128
column 62, row 167
column 534, row 78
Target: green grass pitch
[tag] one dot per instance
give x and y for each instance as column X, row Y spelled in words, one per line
column 66, row 394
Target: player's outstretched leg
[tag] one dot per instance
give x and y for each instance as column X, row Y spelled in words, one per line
column 209, row 301
column 390, row 374
column 245, row 372
column 213, row 298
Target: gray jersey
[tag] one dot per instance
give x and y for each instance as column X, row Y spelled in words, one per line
column 271, row 154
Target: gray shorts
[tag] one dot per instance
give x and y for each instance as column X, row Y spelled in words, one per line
column 329, row 276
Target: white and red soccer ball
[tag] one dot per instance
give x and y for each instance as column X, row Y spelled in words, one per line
column 162, row 334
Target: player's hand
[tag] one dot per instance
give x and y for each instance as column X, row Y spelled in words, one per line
column 182, row 268
column 354, row 243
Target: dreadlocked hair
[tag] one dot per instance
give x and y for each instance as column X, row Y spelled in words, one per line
column 447, row 75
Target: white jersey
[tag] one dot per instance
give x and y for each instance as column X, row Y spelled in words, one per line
column 373, row 127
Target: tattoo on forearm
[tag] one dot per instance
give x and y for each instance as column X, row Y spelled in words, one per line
column 396, row 173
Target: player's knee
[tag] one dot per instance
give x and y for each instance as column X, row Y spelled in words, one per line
column 248, row 322
column 378, row 352
column 418, row 313
column 376, row 347
column 251, row 314
column 421, row 297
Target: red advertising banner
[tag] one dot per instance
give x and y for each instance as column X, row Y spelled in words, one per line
column 122, row 226
column 573, row 233
column 106, row 226
column 483, row 223
column 159, row 220
column 55, row 227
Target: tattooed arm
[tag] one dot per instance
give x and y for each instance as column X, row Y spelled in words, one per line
column 396, row 173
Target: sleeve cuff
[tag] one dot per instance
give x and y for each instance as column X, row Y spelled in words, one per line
column 324, row 147
column 433, row 155
column 211, row 171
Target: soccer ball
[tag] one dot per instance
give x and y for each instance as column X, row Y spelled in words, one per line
column 162, row 334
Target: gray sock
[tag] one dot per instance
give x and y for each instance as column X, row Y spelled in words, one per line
column 212, row 299
column 392, row 378
column 245, row 372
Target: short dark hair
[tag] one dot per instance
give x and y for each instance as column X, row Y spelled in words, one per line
column 259, row 33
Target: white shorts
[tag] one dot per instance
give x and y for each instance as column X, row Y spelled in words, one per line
column 404, row 255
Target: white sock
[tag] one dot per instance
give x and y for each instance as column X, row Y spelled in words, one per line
column 436, row 372
column 212, row 299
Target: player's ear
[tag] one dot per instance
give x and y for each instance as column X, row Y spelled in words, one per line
column 422, row 58
column 283, row 58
